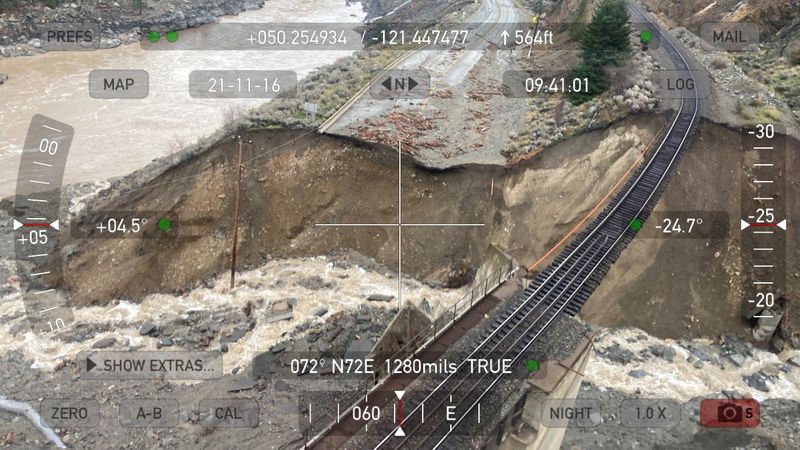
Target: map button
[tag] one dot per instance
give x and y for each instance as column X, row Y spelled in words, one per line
column 119, row 84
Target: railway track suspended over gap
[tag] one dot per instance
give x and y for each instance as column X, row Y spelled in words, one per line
column 562, row 288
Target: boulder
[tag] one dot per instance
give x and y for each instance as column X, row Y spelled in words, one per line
column 104, row 343
column 757, row 381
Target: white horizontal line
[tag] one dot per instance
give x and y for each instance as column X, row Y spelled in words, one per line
column 36, row 218
column 763, row 232
column 764, row 181
column 763, row 265
column 37, row 200
column 763, row 148
column 45, row 291
column 39, row 182
column 51, row 128
column 443, row 224
column 763, row 249
column 48, row 309
column 355, row 225
column 763, row 282
column 42, row 164
column 763, row 165
column 763, row 198
column 39, row 274
column 768, row 317
column 37, row 256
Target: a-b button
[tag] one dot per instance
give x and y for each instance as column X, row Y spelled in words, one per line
column 149, row 413
column 129, row 84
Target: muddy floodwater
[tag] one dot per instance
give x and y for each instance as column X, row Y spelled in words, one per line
column 115, row 137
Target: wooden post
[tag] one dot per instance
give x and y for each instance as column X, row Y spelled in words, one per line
column 236, row 212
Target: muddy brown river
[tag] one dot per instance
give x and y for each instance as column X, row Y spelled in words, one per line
column 115, row 137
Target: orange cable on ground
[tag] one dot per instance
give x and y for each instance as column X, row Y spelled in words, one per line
column 598, row 205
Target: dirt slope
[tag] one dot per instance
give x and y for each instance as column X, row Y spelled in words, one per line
column 310, row 179
column 690, row 287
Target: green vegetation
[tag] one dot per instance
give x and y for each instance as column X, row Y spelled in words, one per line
column 51, row 3
column 605, row 41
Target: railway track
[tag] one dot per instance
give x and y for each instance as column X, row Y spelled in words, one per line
column 562, row 288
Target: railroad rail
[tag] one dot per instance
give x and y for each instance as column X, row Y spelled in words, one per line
column 562, row 288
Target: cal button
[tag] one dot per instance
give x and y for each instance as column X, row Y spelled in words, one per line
column 229, row 412
column 128, row 84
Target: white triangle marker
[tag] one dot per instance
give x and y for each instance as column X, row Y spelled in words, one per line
column 54, row 224
column 782, row 224
column 17, row 224
column 399, row 432
column 400, row 394
column 744, row 224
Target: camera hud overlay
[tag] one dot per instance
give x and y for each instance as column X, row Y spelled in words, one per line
column 399, row 224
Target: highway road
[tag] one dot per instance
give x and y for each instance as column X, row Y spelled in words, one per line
column 448, row 70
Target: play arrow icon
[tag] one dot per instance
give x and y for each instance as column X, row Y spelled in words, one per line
column 412, row 83
column 399, row 432
column 17, row 224
column 744, row 224
column 90, row 364
column 55, row 224
column 782, row 224
column 387, row 83
column 400, row 394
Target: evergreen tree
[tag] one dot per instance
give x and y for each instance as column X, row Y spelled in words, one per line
column 606, row 39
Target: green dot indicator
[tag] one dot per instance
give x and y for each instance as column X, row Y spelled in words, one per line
column 164, row 224
column 646, row 36
column 153, row 36
column 635, row 225
column 172, row 36
column 532, row 365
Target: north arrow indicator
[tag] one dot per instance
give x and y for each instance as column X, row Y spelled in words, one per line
column 400, row 83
